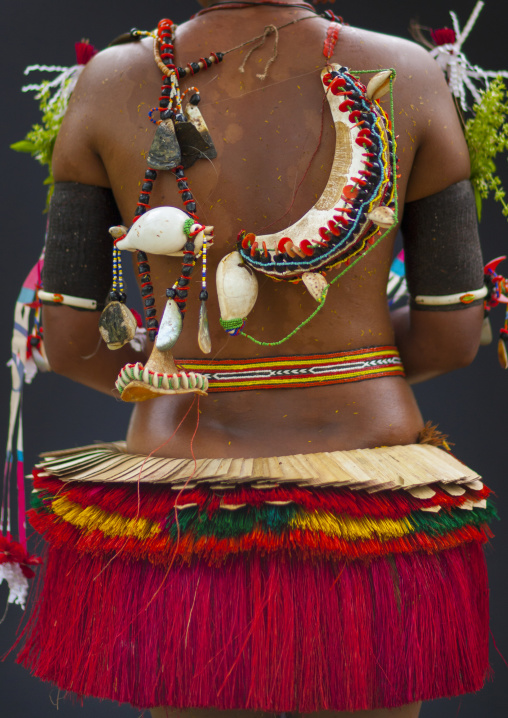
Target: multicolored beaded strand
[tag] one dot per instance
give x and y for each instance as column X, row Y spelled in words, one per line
column 117, row 293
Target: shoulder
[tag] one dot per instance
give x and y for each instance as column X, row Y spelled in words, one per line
column 111, row 68
column 410, row 60
column 432, row 149
column 98, row 109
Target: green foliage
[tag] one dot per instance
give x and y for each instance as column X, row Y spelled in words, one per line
column 40, row 140
column 487, row 136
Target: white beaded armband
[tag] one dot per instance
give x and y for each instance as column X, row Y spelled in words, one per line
column 447, row 299
column 68, row 300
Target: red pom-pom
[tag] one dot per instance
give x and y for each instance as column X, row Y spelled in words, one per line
column 13, row 552
column 443, row 36
column 137, row 317
column 84, row 52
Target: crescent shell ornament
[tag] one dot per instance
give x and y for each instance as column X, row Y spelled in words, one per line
column 362, row 179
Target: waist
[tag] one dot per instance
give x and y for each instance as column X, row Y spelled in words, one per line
column 384, row 468
column 297, row 371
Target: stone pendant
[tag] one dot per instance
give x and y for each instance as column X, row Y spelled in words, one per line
column 204, row 340
column 117, row 325
column 170, row 327
column 193, row 114
column 194, row 137
column 165, row 150
column 192, row 145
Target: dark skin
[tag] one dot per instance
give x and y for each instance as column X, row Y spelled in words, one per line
column 265, row 134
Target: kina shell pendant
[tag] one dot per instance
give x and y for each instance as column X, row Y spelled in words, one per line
column 237, row 288
column 117, row 325
column 159, row 231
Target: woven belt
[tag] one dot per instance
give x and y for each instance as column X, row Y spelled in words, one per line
column 297, row 371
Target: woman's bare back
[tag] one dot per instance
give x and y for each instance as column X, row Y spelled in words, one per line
column 275, row 143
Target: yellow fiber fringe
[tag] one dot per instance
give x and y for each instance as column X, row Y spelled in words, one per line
column 114, row 524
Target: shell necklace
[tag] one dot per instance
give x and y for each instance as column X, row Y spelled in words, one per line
column 360, row 204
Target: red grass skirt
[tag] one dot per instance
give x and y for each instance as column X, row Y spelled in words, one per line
column 276, row 631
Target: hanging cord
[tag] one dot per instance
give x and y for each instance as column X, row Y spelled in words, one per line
column 279, row 27
column 269, row 30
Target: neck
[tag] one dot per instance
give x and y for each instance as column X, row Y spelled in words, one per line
column 283, row 3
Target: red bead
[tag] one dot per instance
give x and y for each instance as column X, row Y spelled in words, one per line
column 350, row 192
column 164, row 24
column 344, row 106
column 333, row 227
column 248, row 240
column 306, row 247
column 281, row 246
column 337, row 84
column 353, row 115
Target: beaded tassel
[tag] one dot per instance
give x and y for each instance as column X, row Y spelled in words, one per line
column 117, row 288
column 332, row 35
column 204, row 340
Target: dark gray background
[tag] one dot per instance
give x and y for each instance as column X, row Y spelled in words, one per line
column 469, row 405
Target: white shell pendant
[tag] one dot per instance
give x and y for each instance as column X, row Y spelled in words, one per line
column 237, row 290
column 158, row 231
column 382, row 216
column 170, row 327
column 379, row 85
column 204, row 340
column 316, row 284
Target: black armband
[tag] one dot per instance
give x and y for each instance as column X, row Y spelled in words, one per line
column 444, row 265
column 79, row 248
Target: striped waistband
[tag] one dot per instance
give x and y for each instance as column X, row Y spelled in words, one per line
column 297, row 371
